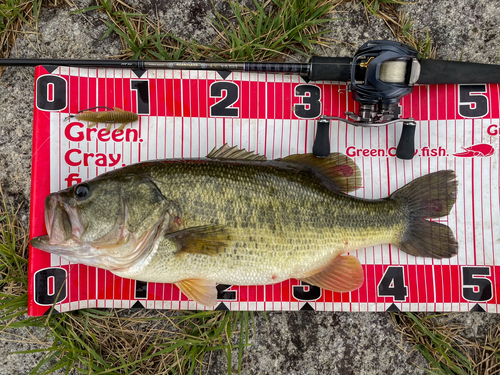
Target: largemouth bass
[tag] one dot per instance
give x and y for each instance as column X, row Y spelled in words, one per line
column 238, row 219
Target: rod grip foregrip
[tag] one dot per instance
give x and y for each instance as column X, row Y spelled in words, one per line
column 330, row 69
column 321, row 146
column 457, row 72
column 406, row 145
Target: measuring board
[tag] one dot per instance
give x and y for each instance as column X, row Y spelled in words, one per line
column 185, row 114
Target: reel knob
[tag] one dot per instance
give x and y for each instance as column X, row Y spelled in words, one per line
column 321, row 147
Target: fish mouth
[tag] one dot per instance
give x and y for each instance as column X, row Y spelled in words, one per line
column 62, row 221
column 42, row 243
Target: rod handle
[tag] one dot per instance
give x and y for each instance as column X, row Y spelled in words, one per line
column 457, row 72
column 330, row 69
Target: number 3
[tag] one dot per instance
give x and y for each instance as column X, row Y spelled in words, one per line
column 310, row 107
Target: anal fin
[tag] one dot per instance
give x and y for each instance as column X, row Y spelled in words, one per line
column 344, row 274
column 199, row 290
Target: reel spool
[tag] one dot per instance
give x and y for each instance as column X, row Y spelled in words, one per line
column 382, row 72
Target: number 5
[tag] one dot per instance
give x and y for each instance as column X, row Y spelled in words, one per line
column 475, row 286
column 473, row 104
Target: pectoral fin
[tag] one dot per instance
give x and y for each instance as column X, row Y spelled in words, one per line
column 344, row 274
column 200, row 290
column 207, row 240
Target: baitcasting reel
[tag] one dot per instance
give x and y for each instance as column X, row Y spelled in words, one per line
column 382, row 72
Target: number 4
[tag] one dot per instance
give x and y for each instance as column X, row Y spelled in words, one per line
column 392, row 284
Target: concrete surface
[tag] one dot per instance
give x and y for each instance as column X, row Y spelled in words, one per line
column 291, row 343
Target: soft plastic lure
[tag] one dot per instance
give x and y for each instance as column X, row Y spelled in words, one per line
column 113, row 116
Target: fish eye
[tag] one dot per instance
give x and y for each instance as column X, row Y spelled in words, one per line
column 82, row 191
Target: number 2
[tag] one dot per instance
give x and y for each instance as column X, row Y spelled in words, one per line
column 224, row 294
column 223, row 108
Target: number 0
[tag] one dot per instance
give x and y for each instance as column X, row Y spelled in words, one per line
column 50, row 286
column 51, row 92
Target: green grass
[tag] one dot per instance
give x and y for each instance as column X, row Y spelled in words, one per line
column 13, row 264
column 13, row 15
column 17, row 16
column 444, row 346
column 262, row 32
column 142, row 342
column 376, row 6
column 141, row 38
column 270, row 31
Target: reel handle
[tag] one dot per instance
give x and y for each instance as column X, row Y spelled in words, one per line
column 406, row 145
column 321, row 147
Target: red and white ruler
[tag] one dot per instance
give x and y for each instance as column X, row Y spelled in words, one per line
column 184, row 114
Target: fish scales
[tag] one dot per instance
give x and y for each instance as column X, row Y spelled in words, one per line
column 196, row 223
column 285, row 221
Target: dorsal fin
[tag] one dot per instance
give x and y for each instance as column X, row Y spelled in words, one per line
column 234, row 153
column 339, row 168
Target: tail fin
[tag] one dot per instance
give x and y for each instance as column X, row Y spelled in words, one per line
column 430, row 196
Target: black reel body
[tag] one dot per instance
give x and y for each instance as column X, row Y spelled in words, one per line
column 382, row 72
column 389, row 71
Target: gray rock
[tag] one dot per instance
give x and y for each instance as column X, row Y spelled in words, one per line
column 462, row 30
column 308, row 343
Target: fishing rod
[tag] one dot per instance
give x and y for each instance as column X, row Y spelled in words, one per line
column 380, row 74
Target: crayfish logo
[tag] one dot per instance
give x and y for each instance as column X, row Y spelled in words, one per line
column 481, row 150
